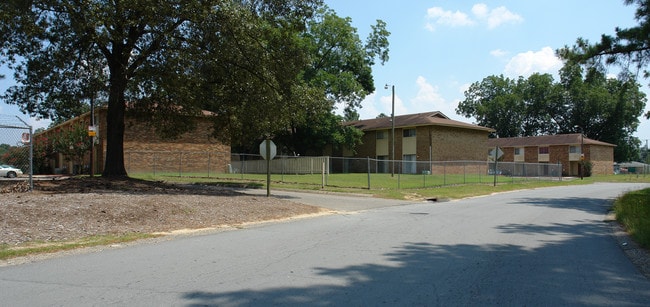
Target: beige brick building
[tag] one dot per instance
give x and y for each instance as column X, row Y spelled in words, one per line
column 430, row 136
column 146, row 151
column 567, row 149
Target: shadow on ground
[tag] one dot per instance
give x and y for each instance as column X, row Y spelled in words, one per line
column 423, row 273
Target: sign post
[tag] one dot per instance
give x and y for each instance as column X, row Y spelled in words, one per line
column 268, row 151
column 497, row 155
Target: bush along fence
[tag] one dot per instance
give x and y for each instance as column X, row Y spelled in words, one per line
column 362, row 173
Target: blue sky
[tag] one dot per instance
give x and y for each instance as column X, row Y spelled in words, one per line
column 438, row 48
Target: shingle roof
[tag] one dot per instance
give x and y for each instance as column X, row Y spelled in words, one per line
column 545, row 140
column 413, row 120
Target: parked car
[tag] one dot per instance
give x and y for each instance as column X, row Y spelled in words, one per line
column 9, row 171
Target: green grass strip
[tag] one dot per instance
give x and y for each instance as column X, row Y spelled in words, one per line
column 39, row 247
column 633, row 211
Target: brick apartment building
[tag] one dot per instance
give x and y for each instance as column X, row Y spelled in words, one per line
column 567, row 149
column 144, row 150
column 430, row 136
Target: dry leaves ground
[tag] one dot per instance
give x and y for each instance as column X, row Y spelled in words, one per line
column 58, row 210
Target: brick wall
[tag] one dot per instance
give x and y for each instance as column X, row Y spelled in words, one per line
column 453, row 144
column 368, row 145
column 141, row 140
column 436, row 142
column 560, row 153
column 602, row 159
column 531, row 154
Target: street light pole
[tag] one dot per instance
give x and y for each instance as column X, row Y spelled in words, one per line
column 582, row 151
column 392, row 130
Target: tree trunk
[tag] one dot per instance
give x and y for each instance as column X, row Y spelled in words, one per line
column 114, row 164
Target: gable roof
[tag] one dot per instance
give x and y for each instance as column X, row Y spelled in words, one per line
column 413, row 120
column 545, row 140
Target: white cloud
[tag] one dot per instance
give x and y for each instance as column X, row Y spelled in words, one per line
column 428, row 98
column 498, row 53
column 438, row 16
column 496, row 17
column 386, row 104
column 527, row 63
column 368, row 108
column 373, row 105
column 480, row 10
column 492, row 17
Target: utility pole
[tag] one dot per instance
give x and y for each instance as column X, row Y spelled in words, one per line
column 392, row 129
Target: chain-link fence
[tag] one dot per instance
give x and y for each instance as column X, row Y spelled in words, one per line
column 363, row 173
column 15, row 150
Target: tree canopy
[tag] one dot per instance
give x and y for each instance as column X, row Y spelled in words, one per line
column 340, row 66
column 629, row 48
column 262, row 66
column 583, row 101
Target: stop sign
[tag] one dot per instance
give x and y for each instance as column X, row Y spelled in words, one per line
column 272, row 150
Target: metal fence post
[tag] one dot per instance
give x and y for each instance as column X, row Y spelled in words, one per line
column 399, row 175
column 444, row 173
column 368, row 171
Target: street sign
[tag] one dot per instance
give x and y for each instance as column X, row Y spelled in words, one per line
column 499, row 154
column 268, row 155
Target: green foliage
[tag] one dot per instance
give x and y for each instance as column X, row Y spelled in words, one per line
column 261, row 66
column 329, row 65
column 628, row 45
column 633, row 211
column 151, row 54
column 42, row 151
column 584, row 100
column 340, row 65
column 17, row 156
column 588, row 166
column 4, row 148
column 495, row 103
column 322, row 131
column 72, row 142
column 340, row 62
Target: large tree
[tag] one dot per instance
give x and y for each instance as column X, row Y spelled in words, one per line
column 335, row 71
column 340, row 66
column 145, row 54
column 584, row 101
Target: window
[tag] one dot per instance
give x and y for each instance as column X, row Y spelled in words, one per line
column 543, row 151
column 381, row 135
column 408, row 133
column 519, row 151
column 409, row 164
column 574, row 149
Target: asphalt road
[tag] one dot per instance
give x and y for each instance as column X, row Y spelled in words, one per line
column 538, row 247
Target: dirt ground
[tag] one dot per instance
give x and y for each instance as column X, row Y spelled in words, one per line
column 74, row 208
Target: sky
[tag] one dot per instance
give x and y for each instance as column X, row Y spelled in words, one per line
column 439, row 48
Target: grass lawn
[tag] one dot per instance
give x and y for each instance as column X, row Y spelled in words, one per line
column 633, row 211
column 387, row 186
